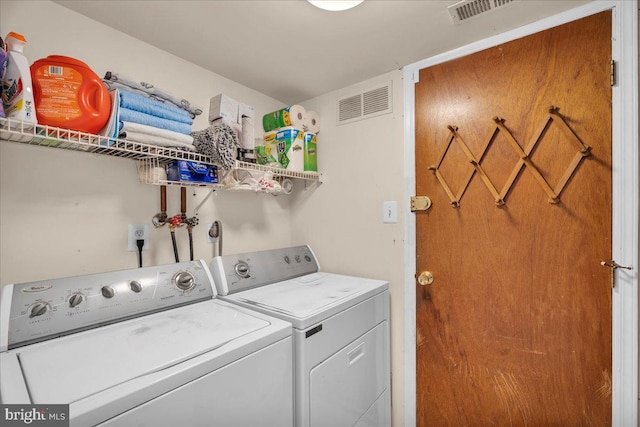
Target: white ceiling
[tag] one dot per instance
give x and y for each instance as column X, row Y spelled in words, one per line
column 292, row 51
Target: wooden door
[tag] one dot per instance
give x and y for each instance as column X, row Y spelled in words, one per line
column 515, row 329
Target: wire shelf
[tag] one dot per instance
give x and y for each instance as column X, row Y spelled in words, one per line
column 48, row 136
column 311, row 176
column 256, row 180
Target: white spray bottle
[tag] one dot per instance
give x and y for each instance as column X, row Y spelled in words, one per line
column 17, row 90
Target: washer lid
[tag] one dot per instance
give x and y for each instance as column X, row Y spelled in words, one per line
column 309, row 299
column 68, row 369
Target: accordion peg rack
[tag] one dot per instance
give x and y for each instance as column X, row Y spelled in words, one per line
column 524, row 160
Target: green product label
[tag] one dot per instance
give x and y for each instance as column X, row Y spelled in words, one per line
column 310, row 137
column 310, row 157
column 283, row 149
column 264, row 155
column 276, row 120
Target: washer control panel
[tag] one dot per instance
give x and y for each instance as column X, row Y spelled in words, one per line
column 238, row 272
column 49, row 308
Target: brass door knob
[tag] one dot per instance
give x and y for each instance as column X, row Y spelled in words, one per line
column 425, row 278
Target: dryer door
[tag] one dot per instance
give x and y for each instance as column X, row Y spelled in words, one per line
column 347, row 384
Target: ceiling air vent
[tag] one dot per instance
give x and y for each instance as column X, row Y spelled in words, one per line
column 466, row 9
column 366, row 104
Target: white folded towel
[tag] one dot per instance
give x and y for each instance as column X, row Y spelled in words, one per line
column 154, row 140
column 155, row 136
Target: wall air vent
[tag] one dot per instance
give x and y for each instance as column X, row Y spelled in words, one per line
column 466, row 9
column 365, row 104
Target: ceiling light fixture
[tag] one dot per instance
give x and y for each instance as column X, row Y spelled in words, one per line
column 335, row 5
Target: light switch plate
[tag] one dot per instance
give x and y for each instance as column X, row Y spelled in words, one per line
column 390, row 212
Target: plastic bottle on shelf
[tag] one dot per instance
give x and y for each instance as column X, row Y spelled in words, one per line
column 3, row 63
column 17, row 90
column 68, row 94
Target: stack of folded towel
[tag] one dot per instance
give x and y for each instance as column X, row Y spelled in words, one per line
column 118, row 81
column 145, row 114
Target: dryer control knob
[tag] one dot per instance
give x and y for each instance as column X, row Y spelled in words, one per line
column 242, row 269
column 76, row 299
column 38, row 309
column 108, row 292
column 184, row 280
column 135, row 286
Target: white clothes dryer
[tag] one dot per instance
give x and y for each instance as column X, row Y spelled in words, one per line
column 144, row 347
column 341, row 331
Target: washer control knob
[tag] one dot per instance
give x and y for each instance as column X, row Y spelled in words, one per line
column 184, row 280
column 38, row 309
column 108, row 292
column 135, row 286
column 242, row 269
column 76, row 299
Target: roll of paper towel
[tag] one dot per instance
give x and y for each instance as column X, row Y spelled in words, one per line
column 247, row 136
column 290, row 116
column 312, row 122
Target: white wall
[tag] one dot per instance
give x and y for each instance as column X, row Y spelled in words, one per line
column 65, row 213
column 362, row 166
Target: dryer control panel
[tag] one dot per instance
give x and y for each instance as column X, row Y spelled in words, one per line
column 238, row 272
column 36, row 311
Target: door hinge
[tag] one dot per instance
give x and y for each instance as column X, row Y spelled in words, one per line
column 416, row 77
column 420, row 203
column 613, row 73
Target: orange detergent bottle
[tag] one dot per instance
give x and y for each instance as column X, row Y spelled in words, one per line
column 68, row 94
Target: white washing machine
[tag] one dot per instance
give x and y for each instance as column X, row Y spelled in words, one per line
column 145, row 347
column 341, row 332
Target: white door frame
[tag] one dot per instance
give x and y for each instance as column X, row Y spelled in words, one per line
column 625, row 199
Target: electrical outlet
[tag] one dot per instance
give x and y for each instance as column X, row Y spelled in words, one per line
column 136, row 232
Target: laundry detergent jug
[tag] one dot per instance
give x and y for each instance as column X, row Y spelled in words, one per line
column 68, row 94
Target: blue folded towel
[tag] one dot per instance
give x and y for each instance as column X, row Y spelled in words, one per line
column 127, row 115
column 133, row 101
